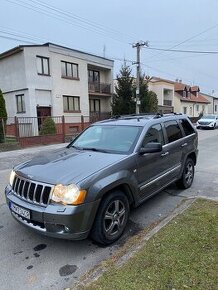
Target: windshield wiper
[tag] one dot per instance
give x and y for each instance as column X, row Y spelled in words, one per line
column 94, row 149
column 76, row 147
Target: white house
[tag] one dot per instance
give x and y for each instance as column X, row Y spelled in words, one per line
column 189, row 100
column 213, row 106
column 164, row 90
column 52, row 80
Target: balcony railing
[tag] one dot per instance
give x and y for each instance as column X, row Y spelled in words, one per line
column 99, row 116
column 167, row 103
column 96, row 87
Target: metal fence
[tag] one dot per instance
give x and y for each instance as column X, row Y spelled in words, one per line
column 2, row 130
column 29, row 131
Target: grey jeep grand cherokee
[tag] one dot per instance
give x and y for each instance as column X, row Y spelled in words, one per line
column 88, row 187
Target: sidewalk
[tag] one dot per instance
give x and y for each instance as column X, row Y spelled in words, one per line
column 31, row 150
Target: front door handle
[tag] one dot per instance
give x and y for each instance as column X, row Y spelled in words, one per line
column 165, row 154
column 185, row 144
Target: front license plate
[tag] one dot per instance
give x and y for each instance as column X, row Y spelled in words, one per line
column 20, row 211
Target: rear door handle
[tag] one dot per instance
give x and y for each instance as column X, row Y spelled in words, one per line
column 185, row 144
column 165, row 154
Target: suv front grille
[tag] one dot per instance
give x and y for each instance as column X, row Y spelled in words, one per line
column 31, row 191
column 204, row 123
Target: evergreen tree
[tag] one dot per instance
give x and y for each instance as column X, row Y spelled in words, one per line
column 123, row 101
column 149, row 101
column 3, row 117
column 48, row 127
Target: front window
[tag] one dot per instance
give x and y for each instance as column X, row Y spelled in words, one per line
column 154, row 135
column 69, row 70
column 184, row 94
column 43, row 65
column 71, row 104
column 185, row 110
column 94, row 76
column 109, row 138
column 94, row 105
column 20, row 104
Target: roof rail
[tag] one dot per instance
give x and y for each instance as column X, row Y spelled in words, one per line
column 144, row 115
column 158, row 115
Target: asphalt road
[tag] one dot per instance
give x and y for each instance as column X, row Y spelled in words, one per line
column 30, row 261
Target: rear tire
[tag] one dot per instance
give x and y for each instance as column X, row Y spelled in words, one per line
column 187, row 175
column 111, row 218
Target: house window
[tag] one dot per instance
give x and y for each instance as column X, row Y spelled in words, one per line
column 184, row 94
column 190, row 111
column 71, row 104
column 197, row 108
column 20, row 104
column 69, row 70
column 215, row 108
column 94, row 105
column 184, row 110
column 43, row 65
column 94, row 76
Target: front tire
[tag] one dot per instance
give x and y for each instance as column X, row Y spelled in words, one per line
column 187, row 175
column 111, row 218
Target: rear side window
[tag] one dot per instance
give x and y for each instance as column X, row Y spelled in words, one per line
column 154, row 134
column 187, row 127
column 173, row 131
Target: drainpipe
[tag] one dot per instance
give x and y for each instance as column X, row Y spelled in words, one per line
column 213, row 106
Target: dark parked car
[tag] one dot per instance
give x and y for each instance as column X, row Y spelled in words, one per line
column 88, row 187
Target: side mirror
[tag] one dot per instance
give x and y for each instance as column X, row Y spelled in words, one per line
column 151, row 147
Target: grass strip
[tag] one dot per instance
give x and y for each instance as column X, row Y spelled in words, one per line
column 182, row 255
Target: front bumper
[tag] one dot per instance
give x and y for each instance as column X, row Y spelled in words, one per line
column 54, row 220
column 210, row 125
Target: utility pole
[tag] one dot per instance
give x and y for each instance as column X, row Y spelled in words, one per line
column 138, row 46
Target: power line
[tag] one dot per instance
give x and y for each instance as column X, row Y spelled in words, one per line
column 64, row 17
column 81, row 19
column 183, row 51
column 188, row 39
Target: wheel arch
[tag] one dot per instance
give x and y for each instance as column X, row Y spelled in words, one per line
column 193, row 157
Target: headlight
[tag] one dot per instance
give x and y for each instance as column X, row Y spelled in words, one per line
column 69, row 194
column 12, row 175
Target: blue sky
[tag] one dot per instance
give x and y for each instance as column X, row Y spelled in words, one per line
column 110, row 27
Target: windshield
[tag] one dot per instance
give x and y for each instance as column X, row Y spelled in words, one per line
column 209, row 117
column 114, row 139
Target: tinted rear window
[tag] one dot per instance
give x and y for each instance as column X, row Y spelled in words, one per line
column 187, row 127
column 173, row 131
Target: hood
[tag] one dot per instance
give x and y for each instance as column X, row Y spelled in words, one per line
column 207, row 119
column 66, row 165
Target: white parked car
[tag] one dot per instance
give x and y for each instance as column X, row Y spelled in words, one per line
column 208, row 121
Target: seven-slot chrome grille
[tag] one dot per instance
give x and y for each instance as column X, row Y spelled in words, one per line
column 31, row 191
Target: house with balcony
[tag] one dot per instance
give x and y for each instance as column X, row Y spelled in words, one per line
column 52, row 80
column 164, row 90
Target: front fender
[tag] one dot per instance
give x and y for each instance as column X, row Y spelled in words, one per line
column 116, row 179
